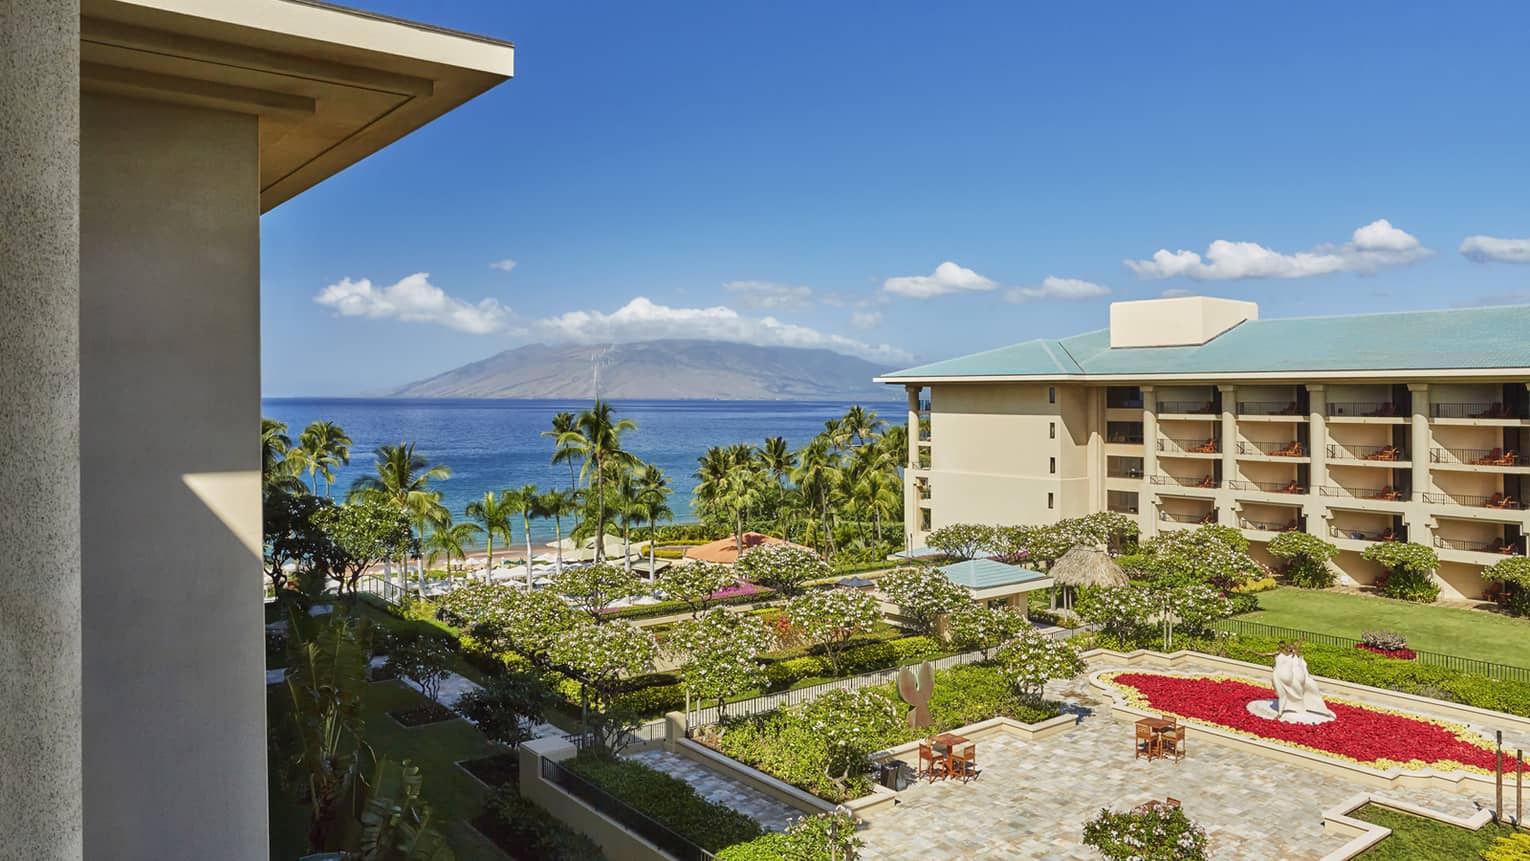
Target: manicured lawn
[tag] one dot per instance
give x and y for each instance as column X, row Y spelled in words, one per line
column 1451, row 630
column 1414, row 838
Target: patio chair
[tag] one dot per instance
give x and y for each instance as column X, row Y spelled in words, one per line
column 1171, row 802
column 1293, row 487
column 1290, row 410
column 1383, row 493
column 1147, row 743
column 1510, row 458
column 1171, row 742
column 1497, row 500
column 930, row 764
column 1489, row 459
column 964, row 762
column 1207, row 447
column 1207, row 481
column 1496, row 411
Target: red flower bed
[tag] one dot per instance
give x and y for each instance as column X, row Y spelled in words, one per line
column 1363, row 734
column 1399, row 654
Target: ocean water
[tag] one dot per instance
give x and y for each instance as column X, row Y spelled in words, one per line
column 497, row 444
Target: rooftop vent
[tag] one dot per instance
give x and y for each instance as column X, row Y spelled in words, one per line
column 1183, row 322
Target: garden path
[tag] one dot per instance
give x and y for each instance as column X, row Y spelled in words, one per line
column 770, row 813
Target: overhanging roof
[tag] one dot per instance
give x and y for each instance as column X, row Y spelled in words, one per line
column 1465, row 339
column 331, row 85
column 980, row 574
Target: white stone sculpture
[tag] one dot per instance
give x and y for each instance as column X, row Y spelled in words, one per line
column 1297, row 698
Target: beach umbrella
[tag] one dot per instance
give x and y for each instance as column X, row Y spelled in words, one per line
column 1086, row 566
column 855, row 583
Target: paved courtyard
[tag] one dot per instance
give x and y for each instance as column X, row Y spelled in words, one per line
column 1031, row 798
column 771, row 814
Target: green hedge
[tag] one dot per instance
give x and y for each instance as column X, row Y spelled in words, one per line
column 770, row 846
column 530, row 832
column 665, row 608
column 669, row 800
column 1411, row 677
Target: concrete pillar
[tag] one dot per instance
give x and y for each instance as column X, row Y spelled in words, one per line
column 1229, row 434
column 913, row 425
column 40, row 794
column 1147, row 504
column 174, row 704
column 1420, row 438
column 1317, row 418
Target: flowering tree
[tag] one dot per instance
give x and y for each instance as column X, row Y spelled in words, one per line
column 508, row 707
column 831, row 617
column 830, row 836
column 1193, row 608
column 599, row 657
column 1122, row 612
column 426, row 661
column 1149, row 833
column 1514, row 574
column 977, row 627
column 1031, row 659
column 923, row 594
column 963, row 540
column 1410, row 569
column 695, row 584
column 505, row 619
column 719, row 653
column 851, row 724
column 362, row 534
column 1209, row 554
column 594, row 588
column 782, row 567
column 1306, row 558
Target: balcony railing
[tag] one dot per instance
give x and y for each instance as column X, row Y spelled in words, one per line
column 1124, row 438
column 1187, row 407
column 1292, row 486
column 1269, row 408
column 1274, row 449
column 1387, row 534
column 1494, row 410
column 1386, row 453
column 1364, row 409
column 1124, row 404
column 1292, row 525
column 1497, row 500
column 1180, row 517
column 1190, row 446
column 1386, row 493
column 1209, row 482
column 1497, row 545
column 1123, row 472
column 1478, row 456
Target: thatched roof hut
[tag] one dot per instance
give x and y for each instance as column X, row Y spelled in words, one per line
column 1086, row 566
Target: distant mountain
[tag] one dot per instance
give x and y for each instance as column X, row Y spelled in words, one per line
column 659, row 370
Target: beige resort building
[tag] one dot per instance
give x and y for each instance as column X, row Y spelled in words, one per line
column 1397, row 426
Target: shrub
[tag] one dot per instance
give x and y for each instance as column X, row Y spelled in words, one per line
column 1416, row 586
column 1386, row 641
column 923, row 595
column 1263, row 584
column 1306, row 558
column 529, row 832
column 1514, row 574
column 1410, row 570
column 1243, row 604
column 782, row 567
column 669, row 800
column 508, row 707
column 1146, row 834
column 1512, row 847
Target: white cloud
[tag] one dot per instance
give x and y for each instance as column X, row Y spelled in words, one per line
column 414, row 300
column 865, row 319
column 1053, row 287
column 947, row 278
column 503, row 265
column 1490, row 249
column 1371, row 247
column 644, row 320
column 770, row 296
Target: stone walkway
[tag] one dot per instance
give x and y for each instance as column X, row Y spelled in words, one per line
column 771, row 814
column 1031, row 799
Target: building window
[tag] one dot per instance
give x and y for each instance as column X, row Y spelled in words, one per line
column 1121, row 501
column 1052, row 465
column 1051, row 500
column 1051, row 394
column 1123, row 398
column 1051, row 430
column 1123, row 432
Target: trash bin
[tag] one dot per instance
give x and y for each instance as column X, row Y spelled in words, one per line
column 894, row 775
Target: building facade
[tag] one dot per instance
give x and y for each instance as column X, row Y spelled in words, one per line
column 1381, row 427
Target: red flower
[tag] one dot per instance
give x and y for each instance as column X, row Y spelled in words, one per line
column 1400, row 654
column 1370, row 736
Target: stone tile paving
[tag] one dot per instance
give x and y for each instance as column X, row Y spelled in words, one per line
column 770, row 813
column 1032, row 798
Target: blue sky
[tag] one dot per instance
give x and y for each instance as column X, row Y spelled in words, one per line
column 910, row 181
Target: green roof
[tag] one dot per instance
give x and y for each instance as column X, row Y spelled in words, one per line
column 988, row 574
column 1462, row 339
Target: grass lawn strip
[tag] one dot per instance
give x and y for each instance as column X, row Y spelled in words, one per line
column 1449, row 630
column 1415, row 838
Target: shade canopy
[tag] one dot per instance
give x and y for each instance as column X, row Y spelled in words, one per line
column 1088, row 566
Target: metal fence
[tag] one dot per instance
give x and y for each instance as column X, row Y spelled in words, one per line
column 371, row 584
column 797, row 696
column 667, row 839
column 652, row 731
column 1452, row 662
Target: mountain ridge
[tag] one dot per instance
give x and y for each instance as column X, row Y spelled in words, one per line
column 666, row 369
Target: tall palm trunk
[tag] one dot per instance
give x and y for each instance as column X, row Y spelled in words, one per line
column 558, row 531
column 526, row 526
column 600, row 511
column 490, row 533
column 653, row 541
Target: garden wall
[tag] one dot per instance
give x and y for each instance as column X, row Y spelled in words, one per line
column 617, row 842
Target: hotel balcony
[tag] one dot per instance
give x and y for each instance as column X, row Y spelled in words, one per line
column 1495, row 501
column 1193, row 447
column 1494, row 547
column 1187, row 408
column 1478, row 413
column 1187, row 518
column 1291, row 487
column 1384, row 493
column 1293, row 450
column 1273, row 527
column 1123, row 433
column 1121, row 501
column 1369, row 455
column 1367, row 412
column 1208, row 482
column 1367, row 536
column 1478, row 459
column 1274, row 410
column 1123, row 467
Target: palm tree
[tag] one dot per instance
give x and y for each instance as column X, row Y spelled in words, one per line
column 493, row 516
column 403, row 481
column 563, row 423
column 556, row 504
column 779, row 460
column 651, row 504
column 624, row 503
column 861, row 424
column 276, row 467
column 730, row 481
column 450, row 540
column 597, row 440
column 525, row 502
column 817, row 476
column 325, row 446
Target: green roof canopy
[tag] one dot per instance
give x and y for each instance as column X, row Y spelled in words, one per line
column 988, row 574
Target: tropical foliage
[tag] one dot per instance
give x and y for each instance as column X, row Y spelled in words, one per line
column 963, row 540
column 1514, row 575
column 978, row 627
column 1410, row 570
column 719, row 654
column 923, row 595
column 1031, row 659
column 782, row 567
column 1149, row 833
column 831, row 617
column 1306, row 558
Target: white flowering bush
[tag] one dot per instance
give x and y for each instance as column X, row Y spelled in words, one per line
column 719, row 654
column 695, row 584
column 1146, row 834
column 963, row 540
column 1217, row 555
column 505, row 618
column 602, row 655
column 831, row 617
column 594, row 588
column 923, row 594
column 1031, row 659
column 1122, row 612
column 782, row 567
column 979, row 628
